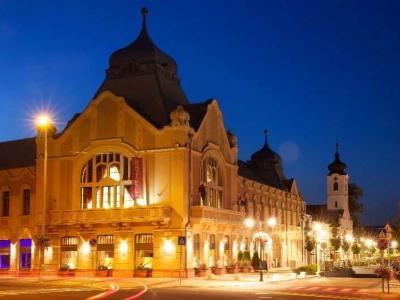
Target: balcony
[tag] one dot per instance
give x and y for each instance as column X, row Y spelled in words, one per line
column 106, row 216
column 219, row 215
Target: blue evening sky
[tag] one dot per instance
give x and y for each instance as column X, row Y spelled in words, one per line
column 309, row 71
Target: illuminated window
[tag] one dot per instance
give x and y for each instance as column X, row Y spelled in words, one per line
column 5, row 254
column 212, row 181
column 112, row 180
column 105, row 251
column 69, row 252
column 144, row 250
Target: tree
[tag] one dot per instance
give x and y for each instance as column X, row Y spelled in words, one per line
column 355, row 205
column 356, row 249
column 255, row 261
column 335, row 240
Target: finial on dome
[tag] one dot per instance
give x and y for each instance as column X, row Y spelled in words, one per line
column 337, row 146
column 265, row 137
column 144, row 11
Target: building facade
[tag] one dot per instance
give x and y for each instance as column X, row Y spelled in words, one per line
column 139, row 168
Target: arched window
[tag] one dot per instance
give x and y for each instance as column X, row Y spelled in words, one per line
column 112, row 180
column 335, row 186
column 212, row 181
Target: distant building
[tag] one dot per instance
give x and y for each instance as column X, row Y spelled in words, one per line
column 140, row 167
column 336, row 210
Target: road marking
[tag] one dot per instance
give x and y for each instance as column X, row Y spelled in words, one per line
column 114, row 289
column 137, row 295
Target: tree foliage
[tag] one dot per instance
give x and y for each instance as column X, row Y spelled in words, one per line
column 335, row 240
column 355, row 205
column 355, row 248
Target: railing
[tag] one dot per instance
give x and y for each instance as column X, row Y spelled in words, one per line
column 217, row 214
column 92, row 216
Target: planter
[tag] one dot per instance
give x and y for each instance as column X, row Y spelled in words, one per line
column 218, row 271
column 232, row 270
column 244, row 269
column 104, row 273
column 143, row 273
column 66, row 273
column 200, row 272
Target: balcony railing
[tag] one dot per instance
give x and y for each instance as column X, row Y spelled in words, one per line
column 101, row 216
column 217, row 214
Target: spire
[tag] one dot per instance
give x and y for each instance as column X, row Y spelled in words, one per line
column 144, row 13
column 265, row 137
column 337, row 166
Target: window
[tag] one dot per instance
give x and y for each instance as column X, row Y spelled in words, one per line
column 5, row 254
column 212, row 181
column 105, row 251
column 335, row 186
column 26, row 205
column 6, row 204
column 25, row 246
column 111, row 180
column 69, row 251
column 144, row 250
column 336, row 205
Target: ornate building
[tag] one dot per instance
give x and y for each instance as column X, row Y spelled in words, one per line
column 140, row 167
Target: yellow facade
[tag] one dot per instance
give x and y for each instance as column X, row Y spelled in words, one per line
column 188, row 183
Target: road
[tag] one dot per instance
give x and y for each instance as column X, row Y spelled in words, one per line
column 129, row 289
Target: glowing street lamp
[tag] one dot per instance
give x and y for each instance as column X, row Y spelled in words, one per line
column 394, row 244
column 271, row 222
column 249, row 222
column 349, row 237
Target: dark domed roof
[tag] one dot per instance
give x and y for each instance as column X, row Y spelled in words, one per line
column 267, row 164
column 142, row 51
column 337, row 166
column 266, row 154
column 146, row 77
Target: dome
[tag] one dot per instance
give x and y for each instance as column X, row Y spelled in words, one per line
column 337, row 166
column 141, row 51
column 266, row 154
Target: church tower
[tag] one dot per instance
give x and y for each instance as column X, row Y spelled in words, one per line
column 337, row 186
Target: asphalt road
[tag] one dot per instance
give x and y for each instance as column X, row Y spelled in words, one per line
column 338, row 289
column 163, row 294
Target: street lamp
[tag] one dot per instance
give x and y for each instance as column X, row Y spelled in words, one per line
column 249, row 222
column 43, row 123
column 271, row 222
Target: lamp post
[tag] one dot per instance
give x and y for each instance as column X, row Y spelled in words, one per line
column 319, row 235
column 43, row 123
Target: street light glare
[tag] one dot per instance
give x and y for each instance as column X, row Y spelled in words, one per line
column 43, row 120
column 249, row 222
column 271, row 222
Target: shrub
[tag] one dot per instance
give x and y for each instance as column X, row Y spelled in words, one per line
column 309, row 269
column 255, row 261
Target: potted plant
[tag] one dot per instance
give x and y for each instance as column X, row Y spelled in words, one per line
column 232, row 268
column 219, row 269
column 103, row 271
column 201, row 270
column 245, row 263
column 66, row 271
column 142, row 270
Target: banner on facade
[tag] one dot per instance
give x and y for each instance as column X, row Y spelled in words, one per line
column 137, row 178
